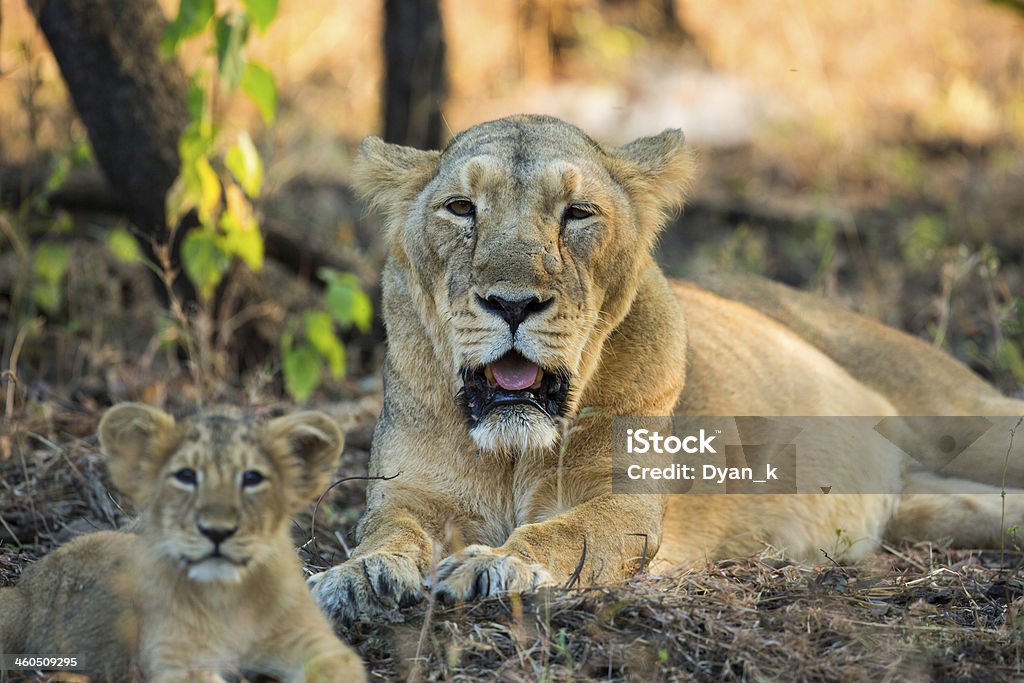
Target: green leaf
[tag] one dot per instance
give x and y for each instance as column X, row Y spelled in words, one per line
column 207, row 188
column 320, row 333
column 176, row 204
column 123, row 246
column 196, row 103
column 241, row 235
column 193, row 16
column 61, row 223
column 81, row 154
column 204, row 260
column 229, row 36
column 258, row 84
column 244, row 162
column 302, row 367
column 261, row 12
column 197, row 186
column 58, row 175
column 1010, row 357
column 195, row 142
column 47, row 296
column 51, row 264
column 52, row 260
column 346, row 300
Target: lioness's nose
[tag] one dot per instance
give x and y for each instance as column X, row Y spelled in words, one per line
column 514, row 311
column 218, row 534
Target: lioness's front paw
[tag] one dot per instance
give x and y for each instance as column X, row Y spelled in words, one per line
column 481, row 572
column 371, row 587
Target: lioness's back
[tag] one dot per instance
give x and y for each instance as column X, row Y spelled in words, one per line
column 728, row 375
column 916, row 377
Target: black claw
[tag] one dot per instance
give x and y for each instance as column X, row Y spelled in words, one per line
column 383, row 585
column 350, row 592
column 478, row 586
column 369, row 581
column 410, row 598
column 444, row 570
column 445, row 596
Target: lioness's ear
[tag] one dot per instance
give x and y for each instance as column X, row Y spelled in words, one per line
column 390, row 176
column 315, row 442
column 135, row 438
column 656, row 171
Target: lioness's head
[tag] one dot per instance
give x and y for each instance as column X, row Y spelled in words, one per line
column 217, row 492
column 523, row 241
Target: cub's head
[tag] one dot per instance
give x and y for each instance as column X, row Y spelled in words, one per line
column 521, row 246
column 218, row 491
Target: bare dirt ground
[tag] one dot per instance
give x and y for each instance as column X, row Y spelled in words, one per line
column 910, row 613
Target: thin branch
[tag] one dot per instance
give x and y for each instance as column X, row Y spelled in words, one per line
column 316, row 506
column 574, row 578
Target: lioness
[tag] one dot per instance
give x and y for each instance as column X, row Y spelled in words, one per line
column 519, row 288
column 208, row 581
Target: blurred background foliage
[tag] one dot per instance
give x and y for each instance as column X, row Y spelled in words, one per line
column 869, row 151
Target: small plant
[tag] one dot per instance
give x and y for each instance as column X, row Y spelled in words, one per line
column 1002, row 492
column 221, row 190
column 842, row 544
column 36, row 235
column 51, row 258
column 927, row 239
column 1009, row 354
column 306, row 347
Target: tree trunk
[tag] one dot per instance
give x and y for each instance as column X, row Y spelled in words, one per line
column 131, row 100
column 415, row 84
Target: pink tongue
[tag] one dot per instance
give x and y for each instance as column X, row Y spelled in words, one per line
column 512, row 372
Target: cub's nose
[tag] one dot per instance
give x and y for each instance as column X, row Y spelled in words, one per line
column 217, row 534
column 514, row 311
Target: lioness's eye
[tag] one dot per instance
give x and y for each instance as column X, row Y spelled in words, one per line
column 187, row 475
column 577, row 212
column 460, row 206
column 252, row 478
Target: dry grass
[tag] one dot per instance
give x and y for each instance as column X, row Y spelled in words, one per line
column 918, row 613
column 743, row 620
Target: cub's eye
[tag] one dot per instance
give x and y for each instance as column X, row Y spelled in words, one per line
column 460, row 206
column 252, row 478
column 577, row 212
column 187, row 475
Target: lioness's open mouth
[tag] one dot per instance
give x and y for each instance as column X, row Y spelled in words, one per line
column 513, row 380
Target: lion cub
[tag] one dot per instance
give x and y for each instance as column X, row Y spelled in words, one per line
column 206, row 583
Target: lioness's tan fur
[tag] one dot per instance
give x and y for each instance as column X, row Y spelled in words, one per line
column 145, row 602
column 513, row 504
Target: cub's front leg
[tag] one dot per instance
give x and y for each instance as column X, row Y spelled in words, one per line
column 304, row 649
column 394, row 554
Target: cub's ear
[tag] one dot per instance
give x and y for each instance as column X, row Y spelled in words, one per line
column 656, row 171
column 314, row 442
column 390, row 176
column 136, row 438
